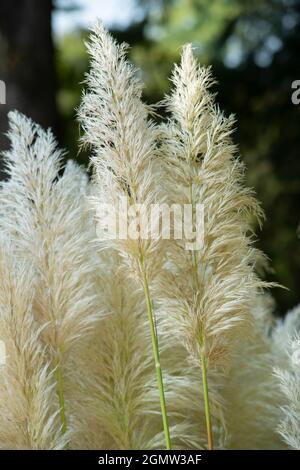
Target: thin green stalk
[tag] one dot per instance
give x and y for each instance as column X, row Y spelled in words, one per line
column 156, row 355
column 203, row 356
column 210, row 443
column 61, row 398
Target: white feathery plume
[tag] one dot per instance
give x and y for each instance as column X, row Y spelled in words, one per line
column 47, row 221
column 263, row 312
column 121, row 404
column 208, row 293
column 72, row 380
column 289, row 380
column 124, row 142
column 28, row 407
column 123, row 139
column 284, row 329
column 122, row 401
column 286, row 353
column 252, row 396
column 184, row 396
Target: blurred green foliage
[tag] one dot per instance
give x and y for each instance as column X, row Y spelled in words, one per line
column 253, row 47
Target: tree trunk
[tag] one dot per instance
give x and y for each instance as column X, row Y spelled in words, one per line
column 27, row 62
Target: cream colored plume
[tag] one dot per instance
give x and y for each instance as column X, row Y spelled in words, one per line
column 289, row 380
column 210, row 291
column 124, row 144
column 252, row 397
column 121, row 404
column 87, row 319
column 46, row 219
column 122, row 401
column 286, row 353
column 284, row 329
column 28, row 406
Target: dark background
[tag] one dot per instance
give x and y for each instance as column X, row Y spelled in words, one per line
column 254, row 48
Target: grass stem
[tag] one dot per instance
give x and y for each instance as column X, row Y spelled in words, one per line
column 209, row 432
column 61, row 398
column 156, row 355
column 203, row 356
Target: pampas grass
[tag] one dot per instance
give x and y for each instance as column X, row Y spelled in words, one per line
column 28, row 409
column 286, row 338
column 252, row 397
column 46, row 222
column 124, row 141
column 289, row 380
column 118, row 367
column 87, row 319
column 209, row 292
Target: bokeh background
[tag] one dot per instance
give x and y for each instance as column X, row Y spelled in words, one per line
column 254, row 48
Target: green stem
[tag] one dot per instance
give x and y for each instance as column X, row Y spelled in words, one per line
column 61, row 398
column 156, row 355
column 203, row 356
column 210, row 443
